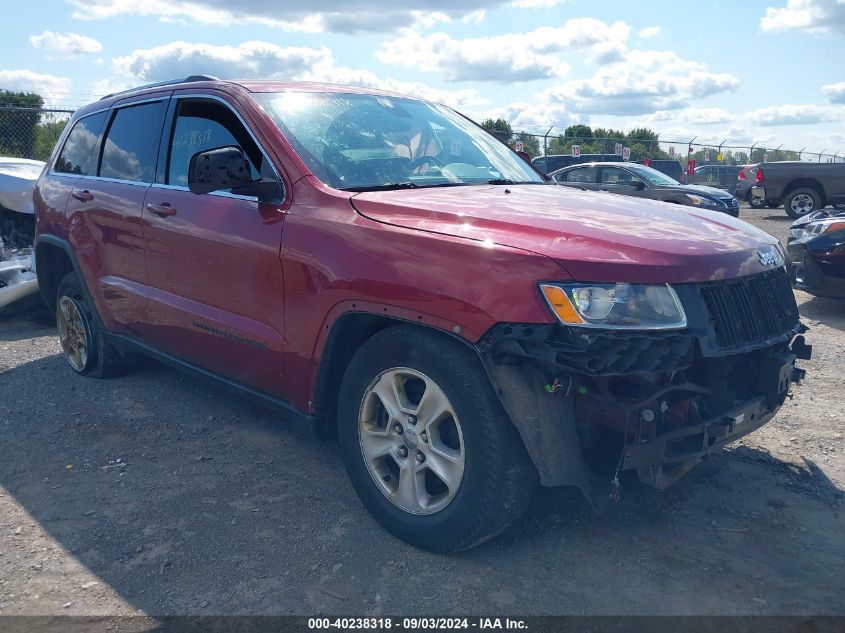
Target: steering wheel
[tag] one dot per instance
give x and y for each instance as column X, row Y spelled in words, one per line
column 416, row 163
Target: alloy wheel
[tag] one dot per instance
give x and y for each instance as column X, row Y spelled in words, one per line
column 73, row 333
column 411, row 441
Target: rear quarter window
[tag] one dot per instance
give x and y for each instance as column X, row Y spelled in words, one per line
column 81, row 149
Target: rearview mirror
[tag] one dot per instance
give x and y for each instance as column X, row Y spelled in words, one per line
column 218, row 168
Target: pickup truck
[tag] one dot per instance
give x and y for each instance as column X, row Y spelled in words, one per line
column 382, row 269
column 801, row 187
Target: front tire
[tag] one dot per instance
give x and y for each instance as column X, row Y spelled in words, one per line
column 428, row 447
column 802, row 201
column 83, row 340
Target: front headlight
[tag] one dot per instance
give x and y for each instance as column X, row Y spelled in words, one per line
column 701, row 201
column 616, row 306
column 824, row 226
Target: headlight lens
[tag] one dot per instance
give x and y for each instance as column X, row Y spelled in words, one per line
column 824, row 226
column 616, row 306
column 701, row 201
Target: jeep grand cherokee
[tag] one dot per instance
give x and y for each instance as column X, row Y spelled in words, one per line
column 383, row 268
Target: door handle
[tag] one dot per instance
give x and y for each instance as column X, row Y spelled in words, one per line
column 83, row 196
column 162, row 210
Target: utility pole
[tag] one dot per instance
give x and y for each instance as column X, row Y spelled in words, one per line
column 801, row 152
column 751, row 153
column 820, row 154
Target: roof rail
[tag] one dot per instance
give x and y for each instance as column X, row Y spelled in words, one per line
column 169, row 82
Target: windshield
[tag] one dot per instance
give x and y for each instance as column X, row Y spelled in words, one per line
column 364, row 142
column 652, row 176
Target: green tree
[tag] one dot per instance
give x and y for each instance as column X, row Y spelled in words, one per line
column 500, row 128
column 46, row 135
column 579, row 131
column 18, row 127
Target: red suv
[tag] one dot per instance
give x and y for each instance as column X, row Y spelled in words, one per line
column 384, row 268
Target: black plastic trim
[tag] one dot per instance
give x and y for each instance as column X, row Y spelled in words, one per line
column 130, row 344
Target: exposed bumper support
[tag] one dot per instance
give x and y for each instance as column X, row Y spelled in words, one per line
column 698, row 440
column 666, row 421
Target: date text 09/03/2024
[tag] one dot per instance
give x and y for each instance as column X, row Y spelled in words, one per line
column 414, row 624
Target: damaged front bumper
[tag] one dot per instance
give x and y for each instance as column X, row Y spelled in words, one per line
column 18, row 280
column 661, row 401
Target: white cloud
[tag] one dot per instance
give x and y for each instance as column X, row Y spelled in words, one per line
column 796, row 114
column 646, row 81
column 535, row 4
column 649, row 32
column 504, row 58
column 66, row 44
column 835, row 92
column 533, row 117
column 323, row 15
column 705, row 116
column 262, row 60
column 250, row 59
column 819, row 17
column 51, row 87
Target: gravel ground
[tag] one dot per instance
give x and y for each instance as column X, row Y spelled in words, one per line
column 154, row 493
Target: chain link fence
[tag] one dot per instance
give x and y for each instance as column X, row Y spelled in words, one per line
column 30, row 132
column 656, row 148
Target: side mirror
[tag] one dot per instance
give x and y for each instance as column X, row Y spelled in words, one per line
column 636, row 184
column 228, row 168
column 218, row 168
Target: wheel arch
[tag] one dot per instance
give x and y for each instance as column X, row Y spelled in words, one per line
column 800, row 183
column 342, row 338
column 54, row 259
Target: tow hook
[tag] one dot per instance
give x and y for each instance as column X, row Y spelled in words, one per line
column 798, row 374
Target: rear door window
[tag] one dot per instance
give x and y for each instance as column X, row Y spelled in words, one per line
column 131, row 145
column 81, row 149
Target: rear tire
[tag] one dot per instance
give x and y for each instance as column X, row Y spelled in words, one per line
column 756, row 203
column 83, row 340
column 388, row 429
column 802, row 201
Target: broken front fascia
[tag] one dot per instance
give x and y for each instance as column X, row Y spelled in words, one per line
column 669, row 404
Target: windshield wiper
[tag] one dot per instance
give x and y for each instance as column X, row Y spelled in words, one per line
column 403, row 185
column 506, row 181
column 384, row 187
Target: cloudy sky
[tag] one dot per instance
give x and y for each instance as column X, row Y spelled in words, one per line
column 764, row 70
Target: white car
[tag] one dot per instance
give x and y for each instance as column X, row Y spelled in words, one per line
column 17, row 225
column 17, row 179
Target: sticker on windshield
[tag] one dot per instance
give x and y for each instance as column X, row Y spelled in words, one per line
column 456, row 148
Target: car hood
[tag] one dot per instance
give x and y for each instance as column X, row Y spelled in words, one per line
column 700, row 190
column 593, row 236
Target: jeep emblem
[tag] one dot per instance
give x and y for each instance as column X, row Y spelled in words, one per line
column 768, row 258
